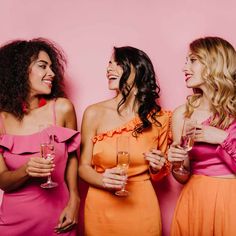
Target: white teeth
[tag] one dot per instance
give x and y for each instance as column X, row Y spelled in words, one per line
column 47, row 81
column 112, row 77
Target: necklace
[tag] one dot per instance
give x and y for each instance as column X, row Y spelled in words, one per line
column 42, row 102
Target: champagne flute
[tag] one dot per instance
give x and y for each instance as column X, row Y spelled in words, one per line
column 123, row 160
column 47, row 151
column 187, row 141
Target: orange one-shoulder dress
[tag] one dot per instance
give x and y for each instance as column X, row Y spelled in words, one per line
column 137, row 214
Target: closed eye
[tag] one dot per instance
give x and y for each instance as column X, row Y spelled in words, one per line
column 43, row 66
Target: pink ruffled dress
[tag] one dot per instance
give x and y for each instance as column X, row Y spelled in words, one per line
column 30, row 209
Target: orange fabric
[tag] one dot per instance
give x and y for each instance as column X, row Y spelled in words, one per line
column 206, row 207
column 138, row 214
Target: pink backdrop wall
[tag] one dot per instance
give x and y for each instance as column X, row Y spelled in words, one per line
column 88, row 29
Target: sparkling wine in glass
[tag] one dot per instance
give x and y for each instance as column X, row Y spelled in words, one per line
column 186, row 142
column 123, row 160
column 48, row 152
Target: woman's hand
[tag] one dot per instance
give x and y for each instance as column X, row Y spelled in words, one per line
column 155, row 158
column 209, row 134
column 113, row 179
column 69, row 217
column 39, row 167
column 176, row 153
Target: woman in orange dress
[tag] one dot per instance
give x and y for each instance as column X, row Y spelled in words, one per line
column 133, row 112
column 207, row 205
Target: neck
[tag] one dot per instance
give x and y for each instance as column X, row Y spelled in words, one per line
column 130, row 107
column 34, row 103
column 205, row 104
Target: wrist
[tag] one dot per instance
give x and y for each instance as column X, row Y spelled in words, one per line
column 24, row 171
column 223, row 136
column 74, row 200
column 154, row 170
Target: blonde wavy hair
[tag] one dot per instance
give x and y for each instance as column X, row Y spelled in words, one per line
column 219, row 59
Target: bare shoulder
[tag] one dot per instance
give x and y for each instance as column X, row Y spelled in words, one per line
column 178, row 113
column 64, row 105
column 98, row 110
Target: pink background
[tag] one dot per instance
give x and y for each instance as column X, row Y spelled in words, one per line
column 88, row 29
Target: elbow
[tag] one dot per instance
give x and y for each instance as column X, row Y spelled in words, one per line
column 6, row 189
column 81, row 170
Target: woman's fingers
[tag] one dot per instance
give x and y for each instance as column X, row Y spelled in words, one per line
column 176, row 154
column 39, row 167
column 113, row 179
column 155, row 158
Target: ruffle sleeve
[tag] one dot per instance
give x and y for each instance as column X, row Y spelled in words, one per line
column 68, row 136
column 227, row 150
column 165, row 139
column 5, row 143
column 19, row 144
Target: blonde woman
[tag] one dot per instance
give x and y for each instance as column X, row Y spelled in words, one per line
column 207, row 203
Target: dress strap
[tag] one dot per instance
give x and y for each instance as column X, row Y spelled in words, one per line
column 2, row 127
column 54, row 111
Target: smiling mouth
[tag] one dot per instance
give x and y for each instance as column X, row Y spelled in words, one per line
column 187, row 77
column 112, row 78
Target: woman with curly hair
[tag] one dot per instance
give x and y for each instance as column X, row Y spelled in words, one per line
column 132, row 113
column 34, row 111
column 207, row 203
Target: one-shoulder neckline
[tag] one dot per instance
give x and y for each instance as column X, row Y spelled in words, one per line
column 128, row 126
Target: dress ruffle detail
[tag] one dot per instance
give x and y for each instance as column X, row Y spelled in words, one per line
column 229, row 144
column 19, row 144
column 126, row 127
column 130, row 127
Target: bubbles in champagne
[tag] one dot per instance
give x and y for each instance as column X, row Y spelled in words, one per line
column 123, row 160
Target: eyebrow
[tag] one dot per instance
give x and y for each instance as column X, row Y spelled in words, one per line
column 43, row 61
column 192, row 55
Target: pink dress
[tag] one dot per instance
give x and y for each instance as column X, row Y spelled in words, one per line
column 30, row 209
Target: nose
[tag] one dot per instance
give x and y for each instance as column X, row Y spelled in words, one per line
column 185, row 67
column 50, row 72
column 109, row 68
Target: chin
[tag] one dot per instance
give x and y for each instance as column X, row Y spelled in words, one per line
column 189, row 85
column 112, row 88
column 46, row 92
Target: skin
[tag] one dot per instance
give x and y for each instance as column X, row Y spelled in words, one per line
column 204, row 133
column 40, row 77
column 109, row 119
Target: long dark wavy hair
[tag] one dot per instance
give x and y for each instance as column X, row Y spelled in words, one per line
column 144, row 81
column 15, row 59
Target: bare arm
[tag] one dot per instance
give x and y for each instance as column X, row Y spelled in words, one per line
column 111, row 178
column 69, row 215
column 88, row 131
column 176, row 154
column 35, row 167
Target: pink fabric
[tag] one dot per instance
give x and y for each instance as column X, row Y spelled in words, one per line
column 212, row 160
column 31, row 210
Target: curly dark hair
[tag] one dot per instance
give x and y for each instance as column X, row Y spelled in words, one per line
column 145, row 82
column 15, row 59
